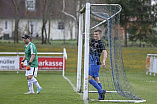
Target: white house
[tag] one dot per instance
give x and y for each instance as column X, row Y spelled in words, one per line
column 62, row 26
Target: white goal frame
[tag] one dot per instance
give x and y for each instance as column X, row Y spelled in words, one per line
column 86, row 10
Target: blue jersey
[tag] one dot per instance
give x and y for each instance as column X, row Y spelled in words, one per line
column 96, row 48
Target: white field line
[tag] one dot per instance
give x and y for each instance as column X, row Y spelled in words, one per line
column 74, row 88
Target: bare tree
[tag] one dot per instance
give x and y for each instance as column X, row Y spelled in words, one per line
column 70, row 15
column 46, row 18
column 29, row 30
column 47, row 6
column 77, row 5
column 44, row 21
column 51, row 3
column 17, row 18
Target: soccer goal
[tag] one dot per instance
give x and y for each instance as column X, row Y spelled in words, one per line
column 113, row 78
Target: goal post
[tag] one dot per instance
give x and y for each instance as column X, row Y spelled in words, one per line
column 105, row 17
column 79, row 62
column 86, row 52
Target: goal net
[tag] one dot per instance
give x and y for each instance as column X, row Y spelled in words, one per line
column 105, row 17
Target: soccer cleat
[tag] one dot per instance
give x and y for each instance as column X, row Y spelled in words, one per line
column 29, row 92
column 39, row 90
column 102, row 95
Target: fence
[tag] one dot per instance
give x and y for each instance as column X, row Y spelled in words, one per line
column 45, row 63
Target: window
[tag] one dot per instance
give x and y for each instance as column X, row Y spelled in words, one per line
column 30, row 5
column 6, row 25
column 60, row 25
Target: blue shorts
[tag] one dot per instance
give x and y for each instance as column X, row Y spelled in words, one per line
column 94, row 70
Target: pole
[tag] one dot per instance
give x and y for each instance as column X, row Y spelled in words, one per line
column 86, row 53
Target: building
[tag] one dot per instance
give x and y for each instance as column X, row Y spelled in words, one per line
column 31, row 19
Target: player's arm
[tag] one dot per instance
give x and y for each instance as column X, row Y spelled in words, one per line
column 24, row 58
column 32, row 58
column 104, row 58
column 32, row 55
column 30, row 61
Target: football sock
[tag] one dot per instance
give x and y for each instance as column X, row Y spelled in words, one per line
column 30, row 85
column 95, row 84
column 35, row 82
column 101, row 88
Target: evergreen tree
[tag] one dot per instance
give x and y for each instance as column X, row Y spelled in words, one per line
column 138, row 15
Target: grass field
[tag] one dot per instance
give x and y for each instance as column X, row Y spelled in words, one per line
column 57, row 90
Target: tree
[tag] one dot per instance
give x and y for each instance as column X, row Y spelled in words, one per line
column 70, row 15
column 44, row 21
column 61, row 10
column 48, row 8
column 136, row 13
column 143, row 20
column 17, row 18
column 152, row 39
column 77, row 5
column 132, row 30
column 125, row 14
column 154, row 15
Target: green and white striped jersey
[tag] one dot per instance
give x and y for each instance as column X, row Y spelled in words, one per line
column 29, row 50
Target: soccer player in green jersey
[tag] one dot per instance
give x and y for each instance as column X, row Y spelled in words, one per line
column 32, row 65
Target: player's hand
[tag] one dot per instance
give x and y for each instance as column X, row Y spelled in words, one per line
column 104, row 66
column 28, row 68
column 22, row 63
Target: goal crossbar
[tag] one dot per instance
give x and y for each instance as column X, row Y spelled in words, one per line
column 120, row 8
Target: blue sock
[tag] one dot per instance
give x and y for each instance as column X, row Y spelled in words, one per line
column 100, row 85
column 95, row 84
column 101, row 88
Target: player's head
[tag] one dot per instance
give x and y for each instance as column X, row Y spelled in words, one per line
column 26, row 39
column 97, row 34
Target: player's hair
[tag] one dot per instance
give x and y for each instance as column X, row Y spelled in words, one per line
column 98, row 30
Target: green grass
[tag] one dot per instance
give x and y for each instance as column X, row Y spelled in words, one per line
column 135, row 58
column 144, row 85
column 56, row 90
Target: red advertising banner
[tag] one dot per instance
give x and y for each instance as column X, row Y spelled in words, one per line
column 47, row 63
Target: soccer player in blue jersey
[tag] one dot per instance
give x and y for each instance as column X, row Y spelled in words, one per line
column 96, row 48
column 32, row 65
